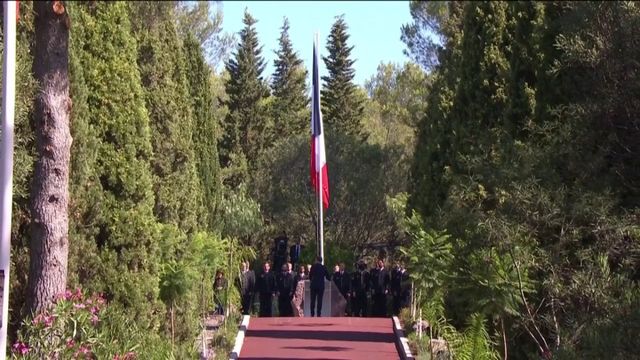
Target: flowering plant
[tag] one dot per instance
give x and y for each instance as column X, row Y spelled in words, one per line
column 70, row 329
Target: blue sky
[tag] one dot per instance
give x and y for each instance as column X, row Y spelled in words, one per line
column 374, row 29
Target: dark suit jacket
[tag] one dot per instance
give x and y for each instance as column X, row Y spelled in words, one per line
column 266, row 283
column 396, row 282
column 343, row 282
column 247, row 283
column 380, row 281
column 317, row 275
column 360, row 281
column 286, row 284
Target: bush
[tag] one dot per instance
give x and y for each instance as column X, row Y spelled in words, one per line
column 85, row 327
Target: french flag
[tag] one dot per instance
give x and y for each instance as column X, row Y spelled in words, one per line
column 318, row 158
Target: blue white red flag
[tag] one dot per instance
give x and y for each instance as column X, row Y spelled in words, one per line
column 318, row 158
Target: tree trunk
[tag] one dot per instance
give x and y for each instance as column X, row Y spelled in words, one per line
column 173, row 331
column 50, row 187
column 504, row 338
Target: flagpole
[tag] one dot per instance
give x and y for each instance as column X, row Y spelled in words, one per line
column 319, row 173
column 6, row 163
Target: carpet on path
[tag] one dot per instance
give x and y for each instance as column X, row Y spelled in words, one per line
column 319, row 338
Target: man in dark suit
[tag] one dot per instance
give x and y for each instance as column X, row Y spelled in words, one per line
column 360, row 282
column 267, row 289
column 247, row 287
column 317, row 274
column 285, row 290
column 396, row 288
column 405, row 288
column 343, row 282
column 294, row 253
column 380, row 288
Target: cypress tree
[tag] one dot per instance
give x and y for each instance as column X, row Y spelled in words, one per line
column 342, row 106
column 434, row 152
column 115, row 233
column 290, row 114
column 23, row 162
column 206, row 120
column 481, row 98
column 178, row 198
column 246, row 127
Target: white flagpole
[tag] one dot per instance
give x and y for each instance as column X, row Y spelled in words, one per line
column 317, row 162
column 6, row 163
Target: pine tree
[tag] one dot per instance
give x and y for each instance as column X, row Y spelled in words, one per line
column 178, row 197
column 290, row 114
column 342, row 106
column 206, row 120
column 246, row 127
column 114, row 245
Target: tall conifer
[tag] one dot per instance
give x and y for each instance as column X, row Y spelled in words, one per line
column 342, row 106
column 114, row 237
column 162, row 69
column 289, row 88
column 207, row 123
column 246, row 127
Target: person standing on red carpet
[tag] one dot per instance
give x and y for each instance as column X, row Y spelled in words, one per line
column 317, row 275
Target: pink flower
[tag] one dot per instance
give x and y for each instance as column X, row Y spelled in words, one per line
column 70, row 343
column 36, row 320
column 100, row 299
column 20, row 348
column 128, row 356
column 48, row 320
column 79, row 306
column 78, row 294
column 84, row 351
column 94, row 319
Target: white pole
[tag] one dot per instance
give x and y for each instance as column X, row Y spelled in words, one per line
column 317, row 162
column 6, row 163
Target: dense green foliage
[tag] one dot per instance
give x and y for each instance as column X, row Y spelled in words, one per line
column 503, row 165
column 143, row 209
column 161, row 62
column 116, row 239
column 23, row 162
column 525, row 157
column 206, row 129
column 360, row 173
column 81, row 326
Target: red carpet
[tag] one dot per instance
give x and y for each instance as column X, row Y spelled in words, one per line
column 319, row 338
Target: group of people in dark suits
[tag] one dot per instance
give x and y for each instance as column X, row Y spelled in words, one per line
column 363, row 289
column 269, row 285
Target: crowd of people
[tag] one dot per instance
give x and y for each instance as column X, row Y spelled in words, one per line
column 376, row 292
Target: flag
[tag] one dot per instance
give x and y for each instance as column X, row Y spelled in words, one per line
column 318, row 158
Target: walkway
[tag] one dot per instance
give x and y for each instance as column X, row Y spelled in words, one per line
column 319, row 338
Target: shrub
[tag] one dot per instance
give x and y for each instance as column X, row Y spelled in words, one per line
column 85, row 327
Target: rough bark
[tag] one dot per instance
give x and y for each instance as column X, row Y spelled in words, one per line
column 50, row 186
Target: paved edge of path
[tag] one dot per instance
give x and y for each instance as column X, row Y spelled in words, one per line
column 402, row 344
column 242, row 329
